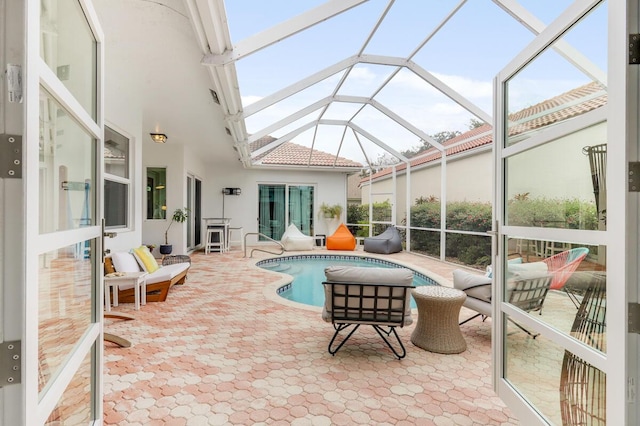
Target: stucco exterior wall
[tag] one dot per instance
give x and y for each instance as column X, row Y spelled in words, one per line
column 330, row 187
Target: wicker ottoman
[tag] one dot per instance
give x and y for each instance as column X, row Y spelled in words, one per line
column 437, row 327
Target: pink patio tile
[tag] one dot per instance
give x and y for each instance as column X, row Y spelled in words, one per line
column 218, row 341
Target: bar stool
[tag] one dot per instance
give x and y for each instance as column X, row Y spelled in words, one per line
column 230, row 241
column 210, row 244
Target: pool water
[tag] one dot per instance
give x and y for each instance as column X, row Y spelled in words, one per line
column 308, row 274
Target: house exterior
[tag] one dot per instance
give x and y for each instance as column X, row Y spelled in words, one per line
column 469, row 156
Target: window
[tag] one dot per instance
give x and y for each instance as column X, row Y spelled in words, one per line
column 117, row 182
column 156, row 193
column 276, row 202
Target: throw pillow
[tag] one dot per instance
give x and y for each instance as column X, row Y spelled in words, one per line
column 124, row 262
column 146, row 260
column 476, row 286
column 516, row 261
column 108, row 266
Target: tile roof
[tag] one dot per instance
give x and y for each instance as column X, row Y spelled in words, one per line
column 291, row 154
column 562, row 107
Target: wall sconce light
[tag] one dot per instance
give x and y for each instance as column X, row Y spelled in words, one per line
column 158, row 137
column 231, row 191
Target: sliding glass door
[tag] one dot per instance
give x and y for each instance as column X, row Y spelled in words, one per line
column 282, row 204
column 194, row 203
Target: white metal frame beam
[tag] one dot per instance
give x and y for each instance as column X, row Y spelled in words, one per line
column 281, row 31
column 533, row 24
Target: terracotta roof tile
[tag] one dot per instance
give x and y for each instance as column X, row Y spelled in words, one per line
column 291, row 154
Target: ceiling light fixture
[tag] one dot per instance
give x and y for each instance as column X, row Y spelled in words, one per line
column 158, row 137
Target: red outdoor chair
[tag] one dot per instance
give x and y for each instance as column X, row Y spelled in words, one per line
column 562, row 266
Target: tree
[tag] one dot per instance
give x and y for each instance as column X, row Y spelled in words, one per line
column 381, row 162
column 474, row 123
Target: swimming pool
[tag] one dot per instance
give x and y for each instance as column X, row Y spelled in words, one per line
column 308, row 274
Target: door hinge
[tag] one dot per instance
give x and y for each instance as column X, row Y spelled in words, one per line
column 10, row 156
column 10, row 371
column 633, row 318
column 634, row 49
column 634, row 176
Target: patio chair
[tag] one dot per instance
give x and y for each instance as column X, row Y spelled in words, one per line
column 562, row 266
column 582, row 386
column 526, row 290
column 387, row 242
column 342, row 239
column 379, row 297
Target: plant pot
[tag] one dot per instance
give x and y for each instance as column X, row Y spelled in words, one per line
column 166, row 248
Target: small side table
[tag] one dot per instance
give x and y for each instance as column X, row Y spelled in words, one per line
column 437, row 328
column 137, row 280
column 320, row 240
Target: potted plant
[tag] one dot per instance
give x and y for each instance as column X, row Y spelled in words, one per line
column 179, row 215
column 330, row 211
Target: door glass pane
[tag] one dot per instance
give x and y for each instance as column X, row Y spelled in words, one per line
column 116, row 201
column 67, row 170
column 566, row 389
column 68, row 46
column 271, row 210
column 65, row 305
column 301, row 208
column 75, row 407
column 562, row 284
column 561, row 184
column 189, row 218
column 116, row 153
column 197, row 211
column 565, row 81
column 156, row 193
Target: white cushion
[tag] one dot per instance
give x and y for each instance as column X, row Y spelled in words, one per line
column 515, row 270
column 476, row 286
column 125, row 262
column 167, row 272
column 363, row 275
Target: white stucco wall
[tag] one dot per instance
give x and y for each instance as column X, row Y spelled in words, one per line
column 331, row 187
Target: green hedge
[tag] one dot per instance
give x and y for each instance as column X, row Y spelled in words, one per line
column 462, row 216
column 469, row 216
column 475, row 250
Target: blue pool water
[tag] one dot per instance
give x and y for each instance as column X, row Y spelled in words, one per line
column 308, row 274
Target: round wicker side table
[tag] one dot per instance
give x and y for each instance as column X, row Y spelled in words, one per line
column 437, row 328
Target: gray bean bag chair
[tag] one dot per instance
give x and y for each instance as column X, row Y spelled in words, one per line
column 387, row 242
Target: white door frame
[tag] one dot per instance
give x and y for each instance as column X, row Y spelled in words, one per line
column 614, row 362
column 21, row 404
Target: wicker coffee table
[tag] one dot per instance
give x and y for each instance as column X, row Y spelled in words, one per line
column 437, row 327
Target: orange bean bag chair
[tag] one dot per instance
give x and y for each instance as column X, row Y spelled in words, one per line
column 342, row 239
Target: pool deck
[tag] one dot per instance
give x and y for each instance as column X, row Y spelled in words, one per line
column 225, row 349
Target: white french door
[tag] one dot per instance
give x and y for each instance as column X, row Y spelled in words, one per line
column 55, row 215
column 559, row 186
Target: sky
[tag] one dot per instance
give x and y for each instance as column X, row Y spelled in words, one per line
column 466, row 53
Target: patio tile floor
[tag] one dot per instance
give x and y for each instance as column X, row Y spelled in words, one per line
column 224, row 350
